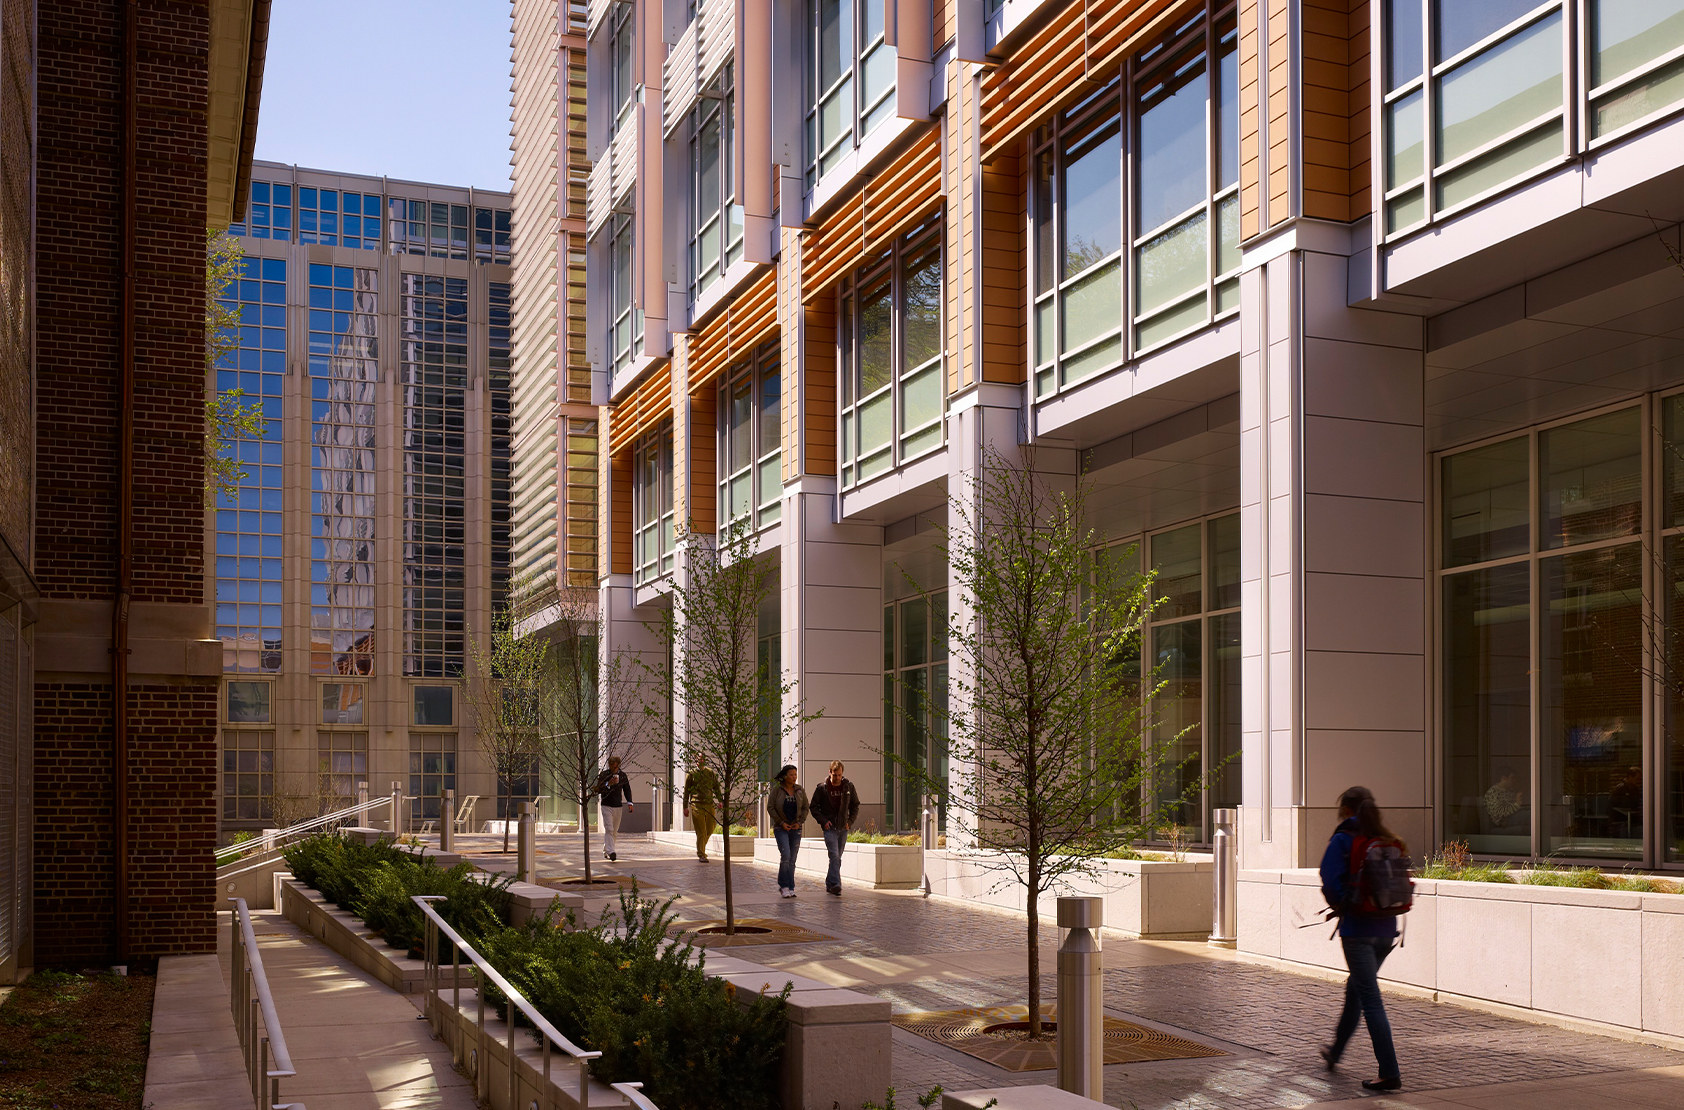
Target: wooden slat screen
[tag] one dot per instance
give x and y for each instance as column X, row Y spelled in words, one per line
column 882, row 208
column 649, row 403
column 732, row 333
column 701, row 507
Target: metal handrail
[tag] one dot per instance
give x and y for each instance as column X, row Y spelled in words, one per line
column 634, row 1095
column 231, row 852
column 249, row 1001
column 549, row 1034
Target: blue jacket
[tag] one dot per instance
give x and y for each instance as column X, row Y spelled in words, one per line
column 1336, row 876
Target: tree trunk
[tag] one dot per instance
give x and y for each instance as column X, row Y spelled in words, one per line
column 508, row 806
column 585, row 833
column 730, row 906
column 1034, row 952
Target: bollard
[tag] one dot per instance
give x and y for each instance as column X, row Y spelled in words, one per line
column 447, row 821
column 362, row 800
column 1081, row 1019
column 397, row 808
column 1225, row 875
column 927, row 826
column 526, row 856
column 655, row 800
column 763, row 826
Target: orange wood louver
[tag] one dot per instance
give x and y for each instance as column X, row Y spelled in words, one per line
column 647, row 405
column 885, row 206
column 732, row 333
column 1060, row 62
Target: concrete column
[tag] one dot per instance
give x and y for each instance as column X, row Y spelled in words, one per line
column 645, row 753
column 1333, row 479
column 831, row 625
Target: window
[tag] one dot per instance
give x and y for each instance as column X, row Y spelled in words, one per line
column 890, row 337
column 344, row 370
column 331, row 217
column 1180, row 220
column 491, row 235
column 269, row 214
column 249, row 537
column 248, row 703
column 625, row 322
column 248, row 772
column 343, row 759
column 769, row 664
column 914, row 702
column 343, row 703
column 433, row 228
column 1636, row 65
column 435, row 705
column 581, row 506
column 850, row 76
column 751, row 443
column 716, row 221
column 501, row 453
column 652, row 496
column 432, row 771
column 622, row 87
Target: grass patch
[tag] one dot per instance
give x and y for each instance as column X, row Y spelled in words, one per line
column 75, row 1039
column 1453, row 861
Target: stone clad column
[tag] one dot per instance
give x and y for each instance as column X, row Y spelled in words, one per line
column 1333, row 479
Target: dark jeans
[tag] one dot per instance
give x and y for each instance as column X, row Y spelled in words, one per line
column 834, row 839
column 789, row 842
column 1364, row 955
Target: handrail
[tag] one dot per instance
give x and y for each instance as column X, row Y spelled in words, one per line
column 231, row 852
column 249, row 1000
column 517, row 1001
column 634, row 1095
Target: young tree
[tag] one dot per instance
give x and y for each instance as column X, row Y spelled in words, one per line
column 227, row 415
column 735, row 712
column 511, row 679
column 592, row 704
column 1050, row 763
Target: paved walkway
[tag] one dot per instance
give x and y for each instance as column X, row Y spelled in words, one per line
column 936, row 954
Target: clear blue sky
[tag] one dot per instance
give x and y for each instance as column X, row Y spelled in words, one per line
column 412, row 89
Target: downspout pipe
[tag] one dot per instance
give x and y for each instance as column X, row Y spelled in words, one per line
column 125, row 477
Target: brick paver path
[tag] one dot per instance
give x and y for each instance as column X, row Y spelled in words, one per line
column 939, row 954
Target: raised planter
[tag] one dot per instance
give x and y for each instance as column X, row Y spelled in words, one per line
column 1164, row 899
column 1606, row 956
column 878, row 866
column 742, row 847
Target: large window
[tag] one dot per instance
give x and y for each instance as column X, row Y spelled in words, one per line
column 622, row 85
column 1560, row 686
column 625, row 322
column 432, row 771
column 652, row 507
column 248, row 774
column 751, row 442
column 850, row 79
column 890, row 341
column 343, row 761
column 1169, row 250
column 269, row 215
column 716, row 220
column 330, row 216
column 1476, row 95
column 914, row 703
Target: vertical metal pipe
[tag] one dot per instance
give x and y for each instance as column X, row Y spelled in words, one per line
column 447, row 821
column 397, row 808
column 1225, row 879
column 1081, row 1018
column 125, row 478
column 526, row 845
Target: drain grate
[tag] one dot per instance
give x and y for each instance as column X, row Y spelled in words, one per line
column 751, row 930
column 996, row 1035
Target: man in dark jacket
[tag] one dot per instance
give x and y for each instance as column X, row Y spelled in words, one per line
column 614, row 789
column 835, row 806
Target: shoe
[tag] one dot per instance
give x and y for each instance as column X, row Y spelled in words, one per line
column 1391, row 1084
column 702, row 856
column 614, row 857
column 1327, row 1057
column 784, row 892
column 836, row 890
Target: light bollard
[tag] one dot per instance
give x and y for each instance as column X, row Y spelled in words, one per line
column 762, row 827
column 362, row 800
column 1081, row 1018
column 1225, row 877
column 526, row 855
column 397, row 808
column 927, row 842
column 656, row 798
column 447, row 821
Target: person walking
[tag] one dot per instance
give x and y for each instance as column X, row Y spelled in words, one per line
column 786, row 805
column 1367, row 938
column 614, row 789
column 835, row 806
column 701, row 795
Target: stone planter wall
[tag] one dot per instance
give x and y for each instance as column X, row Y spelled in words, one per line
column 878, row 866
column 742, row 847
column 1148, row 898
column 1596, row 955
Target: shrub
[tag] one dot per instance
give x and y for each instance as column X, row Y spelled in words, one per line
column 1453, row 860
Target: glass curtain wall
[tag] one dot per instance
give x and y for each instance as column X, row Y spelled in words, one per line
column 1173, row 115
column 914, row 703
column 769, row 660
column 1558, row 589
column 716, row 220
column 751, row 443
column 890, row 342
column 625, row 324
column 850, row 79
column 652, row 507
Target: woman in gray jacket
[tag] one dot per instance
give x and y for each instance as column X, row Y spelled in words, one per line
column 786, row 805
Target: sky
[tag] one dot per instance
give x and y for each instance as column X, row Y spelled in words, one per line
column 411, row 89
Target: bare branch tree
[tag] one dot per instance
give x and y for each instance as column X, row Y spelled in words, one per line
column 508, row 676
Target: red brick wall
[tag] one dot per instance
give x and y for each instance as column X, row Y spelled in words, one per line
column 172, row 769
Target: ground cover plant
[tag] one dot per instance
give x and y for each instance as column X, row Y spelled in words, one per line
column 1454, row 861
column 69, row 1039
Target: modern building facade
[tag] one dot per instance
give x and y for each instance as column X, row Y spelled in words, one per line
column 1359, row 318
column 126, row 129
column 369, row 540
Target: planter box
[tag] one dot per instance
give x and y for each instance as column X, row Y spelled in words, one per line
column 878, row 866
column 742, row 847
column 1606, row 956
column 348, row 936
column 1162, row 899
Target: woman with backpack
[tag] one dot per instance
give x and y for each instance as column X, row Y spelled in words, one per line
column 1367, row 931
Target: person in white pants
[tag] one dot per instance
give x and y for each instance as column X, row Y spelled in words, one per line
column 613, row 788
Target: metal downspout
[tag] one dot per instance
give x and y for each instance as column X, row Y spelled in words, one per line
column 125, row 475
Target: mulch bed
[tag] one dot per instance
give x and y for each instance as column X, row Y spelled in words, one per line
column 755, row 930
column 997, row 1035
column 78, row 1040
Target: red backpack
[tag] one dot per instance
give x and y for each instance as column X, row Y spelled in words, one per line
column 1377, row 883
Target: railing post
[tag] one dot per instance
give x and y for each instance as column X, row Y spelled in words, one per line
column 526, row 863
column 397, row 808
column 447, row 820
column 1081, row 1020
column 1225, row 877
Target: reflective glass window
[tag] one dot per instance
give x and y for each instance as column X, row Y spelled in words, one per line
column 435, row 705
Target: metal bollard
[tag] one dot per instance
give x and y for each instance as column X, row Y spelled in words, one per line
column 526, row 855
column 447, row 821
column 656, row 793
column 362, row 800
column 1081, row 1019
column 927, row 825
column 763, row 826
column 1225, row 875
column 397, row 808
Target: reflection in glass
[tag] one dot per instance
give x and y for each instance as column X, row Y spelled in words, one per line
column 1224, row 539
column 1093, row 212
column 1175, row 556
column 432, row 771
column 1591, row 711
column 1177, row 709
column 248, row 703
column 1489, row 95
column 1487, row 676
column 342, row 703
column 1484, row 501
column 1460, row 24
column 1226, row 726
column 1172, row 147
column 1626, row 36
column 1591, row 474
column 1672, row 740
column 1403, row 41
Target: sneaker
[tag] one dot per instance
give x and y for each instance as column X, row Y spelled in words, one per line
column 783, row 892
column 836, row 890
column 1391, row 1084
column 614, row 856
column 1328, row 1058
